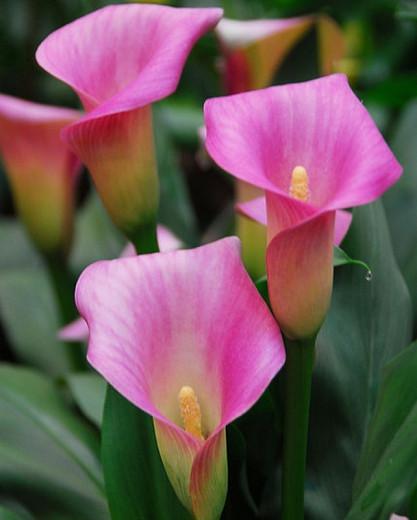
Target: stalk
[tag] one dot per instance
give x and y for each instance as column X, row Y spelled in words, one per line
column 298, row 373
column 63, row 286
column 145, row 239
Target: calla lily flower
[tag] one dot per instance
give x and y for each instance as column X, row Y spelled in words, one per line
column 254, row 49
column 314, row 149
column 41, row 170
column 194, row 366
column 120, row 60
column 77, row 330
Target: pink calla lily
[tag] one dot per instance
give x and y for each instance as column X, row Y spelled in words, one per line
column 314, row 149
column 41, row 169
column 77, row 330
column 194, row 367
column 120, row 60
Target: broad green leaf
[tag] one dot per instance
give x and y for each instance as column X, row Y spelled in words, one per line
column 401, row 200
column 16, row 249
column 29, row 317
column 368, row 324
column 48, row 457
column 89, row 392
column 11, row 514
column 386, row 474
column 136, row 482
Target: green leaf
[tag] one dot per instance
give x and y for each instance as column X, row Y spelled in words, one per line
column 96, row 237
column 368, row 324
column 182, row 120
column 401, row 200
column 136, row 482
column 407, row 10
column 89, row 392
column 19, row 251
column 29, row 317
column 11, row 514
column 386, row 474
column 340, row 257
column 48, row 457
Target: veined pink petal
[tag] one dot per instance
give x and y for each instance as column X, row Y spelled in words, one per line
column 41, row 169
column 78, row 330
column 398, row 517
column 255, row 209
column 300, row 275
column 261, row 136
column 120, row 59
column 222, row 341
column 254, row 49
column 123, row 57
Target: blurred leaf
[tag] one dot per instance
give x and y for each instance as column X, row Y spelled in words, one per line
column 10, row 514
column 386, row 474
column 16, row 250
column 136, row 483
column 239, row 501
column 29, row 317
column 394, row 92
column 407, row 10
column 401, row 200
column 368, row 324
column 182, row 120
column 175, row 206
column 96, row 237
column 89, row 391
column 48, row 457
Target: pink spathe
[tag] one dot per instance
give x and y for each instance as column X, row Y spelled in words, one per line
column 255, row 210
column 221, row 340
column 261, row 137
column 41, row 169
column 121, row 59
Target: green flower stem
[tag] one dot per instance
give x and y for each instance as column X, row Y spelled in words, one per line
column 298, row 373
column 63, row 285
column 145, row 239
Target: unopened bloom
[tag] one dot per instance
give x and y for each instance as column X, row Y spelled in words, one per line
column 120, row 60
column 253, row 50
column 193, row 354
column 41, row 169
column 314, row 149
